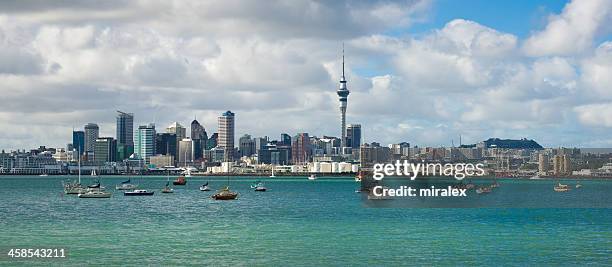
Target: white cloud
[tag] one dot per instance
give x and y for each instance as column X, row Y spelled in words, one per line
column 573, row 30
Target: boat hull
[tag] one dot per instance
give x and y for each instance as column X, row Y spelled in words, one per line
column 138, row 194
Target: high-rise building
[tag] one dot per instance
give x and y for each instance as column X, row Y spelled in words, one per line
column 199, row 137
column 125, row 128
column 145, row 143
column 92, row 132
column 300, row 148
column 246, row 145
column 542, row 163
column 567, row 165
column 343, row 94
column 285, row 139
column 353, row 135
column 180, row 131
column 557, row 164
column 78, row 141
column 212, row 141
column 185, row 152
column 165, row 144
column 105, row 150
column 226, row 134
column 125, row 134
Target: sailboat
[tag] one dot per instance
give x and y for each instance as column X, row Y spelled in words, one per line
column 272, row 176
column 95, row 191
column 561, row 187
column 312, row 177
column 225, row 193
column 74, row 187
column 126, row 185
column 578, row 185
column 204, row 187
column 167, row 188
column 93, row 173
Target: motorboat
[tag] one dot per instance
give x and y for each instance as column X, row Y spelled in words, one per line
column 578, row 185
column 312, row 177
column 483, row 190
column 95, row 194
column 180, row 181
column 561, row 187
column 138, row 192
column 259, row 187
column 204, row 187
column 126, row 185
column 225, row 194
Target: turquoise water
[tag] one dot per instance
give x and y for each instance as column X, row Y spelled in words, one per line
column 297, row 222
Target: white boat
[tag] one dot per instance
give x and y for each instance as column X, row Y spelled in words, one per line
column 312, row 177
column 93, row 172
column 205, row 187
column 43, row 175
column 578, row 185
column 259, row 187
column 272, row 175
column 95, row 194
column 167, row 189
column 535, row 177
column 561, row 187
column 73, row 188
column 126, row 185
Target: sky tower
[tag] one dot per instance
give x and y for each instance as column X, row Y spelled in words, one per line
column 343, row 93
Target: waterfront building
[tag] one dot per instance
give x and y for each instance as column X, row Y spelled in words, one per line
column 125, row 134
column 301, row 148
column 567, row 165
column 226, row 134
column 160, row 161
column 78, row 141
column 199, row 137
column 353, row 135
column 92, row 132
column 557, row 164
column 185, row 152
column 145, row 143
column 343, row 94
column 165, row 144
column 105, row 150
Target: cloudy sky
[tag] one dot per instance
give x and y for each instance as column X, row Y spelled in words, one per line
column 424, row 72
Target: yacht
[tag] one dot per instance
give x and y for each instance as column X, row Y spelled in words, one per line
column 225, row 194
column 43, row 175
column 180, row 181
column 578, row 185
column 126, row 185
column 312, row 177
column 259, row 187
column 483, row 190
column 95, row 194
column 138, row 192
column 561, row 187
column 74, row 187
column 167, row 188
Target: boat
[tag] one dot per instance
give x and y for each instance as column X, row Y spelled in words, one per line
column 43, row 175
column 126, row 185
column 187, row 172
column 225, row 194
column 535, row 177
column 561, row 187
column 204, row 187
column 259, row 187
column 578, row 185
column 312, row 177
column 494, row 184
column 93, row 173
column 138, row 192
column 95, row 194
column 483, row 190
column 180, row 181
column 74, row 187
column 96, row 186
column 167, row 189
column 272, row 175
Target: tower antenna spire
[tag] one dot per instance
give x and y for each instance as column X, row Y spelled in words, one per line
column 343, row 59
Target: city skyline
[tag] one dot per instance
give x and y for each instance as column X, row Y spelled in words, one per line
column 423, row 72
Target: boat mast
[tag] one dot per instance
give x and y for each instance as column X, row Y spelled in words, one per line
column 79, row 168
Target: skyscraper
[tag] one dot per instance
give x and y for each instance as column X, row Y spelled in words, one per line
column 300, row 148
column 353, row 135
column 199, row 137
column 78, row 141
column 165, row 144
column 246, row 145
column 180, row 133
column 226, row 134
column 92, row 132
column 185, row 152
column 125, row 134
column 343, row 93
column 145, row 142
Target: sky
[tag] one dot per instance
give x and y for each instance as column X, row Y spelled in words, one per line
column 419, row 71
